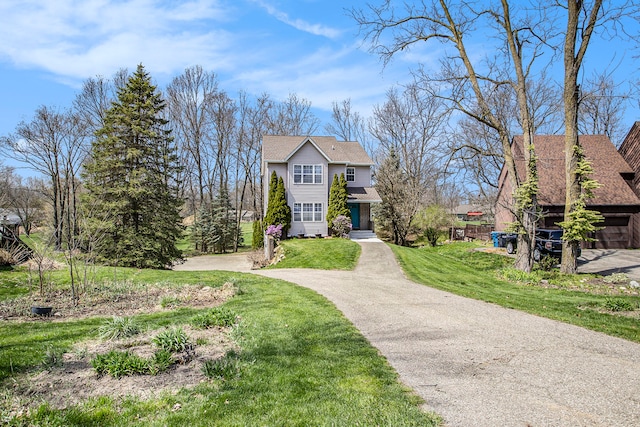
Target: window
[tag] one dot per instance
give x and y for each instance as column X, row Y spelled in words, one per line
column 307, row 212
column 351, row 174
column 307, row 174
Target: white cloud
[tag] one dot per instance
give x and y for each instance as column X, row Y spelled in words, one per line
column 299, row 24
column 82, row 38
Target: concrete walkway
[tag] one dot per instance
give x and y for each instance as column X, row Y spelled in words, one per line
column 477, row 364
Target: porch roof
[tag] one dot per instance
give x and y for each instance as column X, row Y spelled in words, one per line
column 363, row 195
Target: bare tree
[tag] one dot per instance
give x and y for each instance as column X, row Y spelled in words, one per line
column 349, row 125
column 471, row 83
column 188, row 98
column 53, row 143
column 601, row 108
column 26, row 200
column 293, row 116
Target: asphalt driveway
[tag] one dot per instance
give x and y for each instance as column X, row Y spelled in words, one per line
column 478, row 364
column 609, row 261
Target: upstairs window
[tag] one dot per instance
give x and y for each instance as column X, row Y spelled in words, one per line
column 351, row 174
column 307, row 174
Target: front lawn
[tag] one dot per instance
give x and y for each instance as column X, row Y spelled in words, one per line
column 299, row 362
column 323, row 254
column 460, row 269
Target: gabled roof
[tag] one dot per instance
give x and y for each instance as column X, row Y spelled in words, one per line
column 277, row 148
column 608, row 165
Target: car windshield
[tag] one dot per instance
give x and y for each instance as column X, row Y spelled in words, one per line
column 550, row 234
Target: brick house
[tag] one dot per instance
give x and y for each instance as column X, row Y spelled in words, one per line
column 615, row 199
column 307, row 165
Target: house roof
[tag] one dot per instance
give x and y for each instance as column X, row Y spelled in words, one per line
column 363, row 194
column 608, row 165
column 276, row 148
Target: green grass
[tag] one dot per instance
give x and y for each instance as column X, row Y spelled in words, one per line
column 300, row 362
column 458, row 269
column 324, row 254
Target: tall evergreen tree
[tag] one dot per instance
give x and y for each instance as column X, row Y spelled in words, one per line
column 131, row 180
column 278, row 211
column 338, row 197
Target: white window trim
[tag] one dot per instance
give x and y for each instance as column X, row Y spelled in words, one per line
column 315, row 174
column 312, row 210
column 353, row 175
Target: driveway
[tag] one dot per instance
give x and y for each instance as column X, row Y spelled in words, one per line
column 477, row 364
column 609, row 261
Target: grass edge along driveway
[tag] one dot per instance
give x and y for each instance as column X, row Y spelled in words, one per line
column 459, row 269
column 301, row 363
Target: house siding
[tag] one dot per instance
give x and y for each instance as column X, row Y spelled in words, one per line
column 282, row 153
column 309, row 193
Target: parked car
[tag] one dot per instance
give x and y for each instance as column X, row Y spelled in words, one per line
column 548, row 242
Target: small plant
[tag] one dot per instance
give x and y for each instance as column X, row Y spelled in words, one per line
column 120, row 363
column 202, row 341
column 162, row 360
column 616, row 278
column 118, row 328
column 173, row 340
column 225, row 368
column 342, row 226
column 170, row 302
column 547, row 263
column 618, row 304
column 217, row 316
column 52, row 358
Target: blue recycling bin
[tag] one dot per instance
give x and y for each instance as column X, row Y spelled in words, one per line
column 495, row 236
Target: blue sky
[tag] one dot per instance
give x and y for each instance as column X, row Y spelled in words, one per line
column 310, row 47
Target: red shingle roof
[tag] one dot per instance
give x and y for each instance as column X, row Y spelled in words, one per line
column 607, row 163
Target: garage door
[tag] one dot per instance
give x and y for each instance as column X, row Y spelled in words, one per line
column 614, row 235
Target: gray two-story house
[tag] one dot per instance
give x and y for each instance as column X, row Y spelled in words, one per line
column 307, row 165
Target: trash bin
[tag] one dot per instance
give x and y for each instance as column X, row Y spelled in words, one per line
column 495, row 236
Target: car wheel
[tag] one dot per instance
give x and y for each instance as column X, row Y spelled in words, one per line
column 510, row 248
column 536, row 255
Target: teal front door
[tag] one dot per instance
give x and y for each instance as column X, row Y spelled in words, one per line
column 355, row 215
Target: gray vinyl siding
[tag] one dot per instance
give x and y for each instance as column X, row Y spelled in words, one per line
column 309, row 193
column 362, row 176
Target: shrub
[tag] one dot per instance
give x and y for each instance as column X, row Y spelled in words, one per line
column 275, row 231
column 120, row 363
column 217, row 316
column 257, row 241
column 342, row 226
column 618, row 304
column 225, row 368
column 118, row 328
column 547, row 263
column 124, row 363
column 173, row 340
column 6, row 258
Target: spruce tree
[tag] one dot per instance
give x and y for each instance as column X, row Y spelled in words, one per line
column 217, row 224
column 131, row 180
